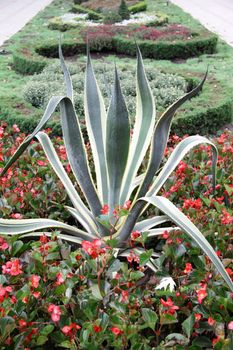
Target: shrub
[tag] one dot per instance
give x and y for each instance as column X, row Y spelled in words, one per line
column 92, row 15
column 123, row 10
column 141, row 6
column 167, row 88
column 111, row 18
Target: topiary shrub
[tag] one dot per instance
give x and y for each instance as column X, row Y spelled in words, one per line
column 141, row 6
column 123, row 10
column 111, row 18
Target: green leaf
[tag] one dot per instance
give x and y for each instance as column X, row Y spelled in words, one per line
column 3, row 279
column 150, row 317
column 187, row 226
column 96, row 291
column 188, row 324
column 202, row 341
column 136, row 275
column 7, row 325
column 114, row 267
column 143, row 129
column 117, row 143
column 47, row 330
column 145, row 257
column 66, row 344
column 16, row 246
column 95, row 117
column 41, row 340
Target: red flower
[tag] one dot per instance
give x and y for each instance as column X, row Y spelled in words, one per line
column 96, row 328
column 93, row 248
column 116, row 330
column 12, row 268
column 4, row 292
column 59, row 278
column 124, row 296
column 198, row 317
column 188, row 268
column 135, row 235
column 15, row 128
column 195, row 204
column 70, row 330
column 105, row 209
column 127, row 205
column 35, row 281
column 211, row 321
column 55, row 312
column 201, row 293
column 169, row 305
column 226, row 218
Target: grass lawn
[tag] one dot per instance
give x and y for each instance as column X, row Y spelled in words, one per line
column 218, row 89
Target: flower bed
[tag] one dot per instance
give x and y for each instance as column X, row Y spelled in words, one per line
column 49, row 291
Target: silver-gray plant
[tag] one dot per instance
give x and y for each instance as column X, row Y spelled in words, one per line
column 117, row 159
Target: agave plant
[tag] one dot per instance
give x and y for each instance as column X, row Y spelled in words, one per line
column 117, row 159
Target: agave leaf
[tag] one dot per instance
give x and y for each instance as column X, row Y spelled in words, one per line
column 160, row 137
column 159, row 231
column 66, row 73
column 180, row 151
column 84, row 216
column 143, row 128
column 117, row 143
column 145, row 225
column 187, row 226
column 16, row 227
column 50, row 109
column 67, row 238
column 95, row 117
column 83, row 221
column 76, row 154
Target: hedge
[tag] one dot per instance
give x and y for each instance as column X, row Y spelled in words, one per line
column 167, row 50
column 25, row 64
column 92, row 15
column 141, row 6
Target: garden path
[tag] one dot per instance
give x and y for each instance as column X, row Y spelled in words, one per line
column 216, row 15
column 14, row 14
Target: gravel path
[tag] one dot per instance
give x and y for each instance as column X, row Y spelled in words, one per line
column 216, row 15
column 14, row 14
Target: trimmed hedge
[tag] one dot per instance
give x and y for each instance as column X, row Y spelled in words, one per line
column 141, row 6
column 25, row 64
column 167, row 50
column 92, row 15
column 204, row 120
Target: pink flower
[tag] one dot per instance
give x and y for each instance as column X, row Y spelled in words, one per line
column 34, row 279
column 105, row 209
column 4, row 292
column 211, row 321
column 12, row 268
column 127, row 205
column 230, row 326
column 59, row 278
column 124, row 296
column 55, row 312
column 16, row 216
column 70, row 330
column 226, row 218
column 15, row 128
column 3, row 244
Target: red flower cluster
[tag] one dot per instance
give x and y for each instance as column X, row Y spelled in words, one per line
column 12, row 267
column 4, row 292
column 192, row 203
column 169, row 306
column 93, row 248
column 71, row 330
column 3, row 244
column 201, row 293
column 55, row 312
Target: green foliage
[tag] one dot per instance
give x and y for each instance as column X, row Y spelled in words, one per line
column 92, row 15
column 167, row 88
column 57, row 24
column 123, row 10
column 167, row 50
column 25, row 64
column 111, row 18
column 139, row 7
